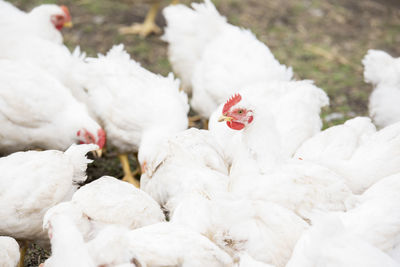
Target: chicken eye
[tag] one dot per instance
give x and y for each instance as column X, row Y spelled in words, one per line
column 240, row 111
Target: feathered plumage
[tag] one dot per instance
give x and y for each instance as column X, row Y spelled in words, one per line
column 327, row 243
column 137, row 108
column 383, row 71
column 109, row 201
column 32, row 182
column 376, row 218
column 285, row 115
column 37, row 111
column 264, row 230
column 44, row 21
column 9, row 252
column 165, row 244
column 356, row 151
column 68, row 247
column 190, row 162
column 215, row 58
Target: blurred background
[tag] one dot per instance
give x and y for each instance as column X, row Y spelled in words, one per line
column 322, row 40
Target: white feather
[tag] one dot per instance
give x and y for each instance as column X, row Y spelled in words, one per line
column 31, row 183
column 37, row 111
column 9, row 252
column 383, row 71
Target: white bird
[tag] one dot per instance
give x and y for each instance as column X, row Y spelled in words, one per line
column 138, row 109
column 109, row 201
column 111, row 248
column 191, row 162
column 167, row 244
column 160, row 244
column 299, row 186
column 264, row 230
column 9, row 252
column 32, row 182
column 273, row 125
column 383, row 71
column 215, row 58
column 44, row 21
column 336, row 142
column 376, row 218
column 356, row 152
column 327, row 243
column 280, row 116
column 53, row 58
column 37, row 111
column 68, row 247
column 40, row 29
column 66, row 226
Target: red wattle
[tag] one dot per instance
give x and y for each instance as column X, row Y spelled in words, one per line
column 235, row 125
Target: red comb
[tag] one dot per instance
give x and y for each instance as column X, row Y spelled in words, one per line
column 66, row 11
column 231, row 102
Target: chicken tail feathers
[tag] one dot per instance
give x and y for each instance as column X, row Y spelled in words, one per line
column 77, row 156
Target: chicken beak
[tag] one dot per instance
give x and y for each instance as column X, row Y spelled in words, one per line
column 68, row 24
column 224, row 118
column 97, row 153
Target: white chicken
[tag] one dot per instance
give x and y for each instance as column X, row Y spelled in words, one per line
column 336, row 142
column 40, row 29
column 376, row 218
column 383, row 72
column 356, row 151
column 285, row 114
column 274, row 123
column 53, row 58
column 298, row 186
column 109, row 247
column 161, row 244
column 9, row 252
column 36, row 111
column 191, row 162
column 67, row 245
column 44, row 21
column 167, row 244
column 32, row 182
column 327, row 243
column 138, row 109
column 108, row 201
column 265, row 231
column 215, row 58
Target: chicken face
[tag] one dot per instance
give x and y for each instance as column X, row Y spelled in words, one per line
column 61, row 20
column 236, row 117
column 86, row 137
